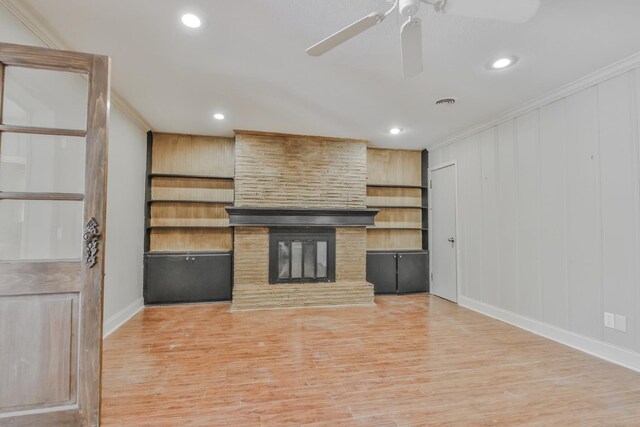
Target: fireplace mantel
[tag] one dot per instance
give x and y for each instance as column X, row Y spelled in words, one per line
column 299, row 217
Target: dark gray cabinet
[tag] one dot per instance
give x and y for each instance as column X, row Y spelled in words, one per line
column 398, row 272
column 185, row 277
column 413, row 272
column 381, row 271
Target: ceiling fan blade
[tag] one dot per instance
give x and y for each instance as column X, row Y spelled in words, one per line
column 517, row 11
column 345, row 34
column 411, row 35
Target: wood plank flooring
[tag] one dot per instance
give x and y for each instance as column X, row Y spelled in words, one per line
column 410, row 361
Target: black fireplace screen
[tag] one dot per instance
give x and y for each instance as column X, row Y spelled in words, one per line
column 301, row 255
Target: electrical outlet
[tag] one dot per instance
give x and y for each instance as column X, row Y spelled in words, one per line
column 621, row 323
column 609, row 320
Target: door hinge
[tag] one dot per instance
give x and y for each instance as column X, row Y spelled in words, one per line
column 431, row 276
column 430, row 184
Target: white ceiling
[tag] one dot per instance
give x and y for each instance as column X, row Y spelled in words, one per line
column 249, row 62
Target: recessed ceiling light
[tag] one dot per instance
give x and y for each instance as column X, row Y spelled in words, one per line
column 501, row 63
column 396, row 131
column 218, row 116
column 190, row 20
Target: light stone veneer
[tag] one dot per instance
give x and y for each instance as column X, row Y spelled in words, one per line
column 297, row 171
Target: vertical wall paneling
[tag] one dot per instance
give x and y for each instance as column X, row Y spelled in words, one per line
column 553, row 216
column 566, row 178
column 618, row 200
column 462, row 202
column 636, row 93
column 583, row 224
column 471, row 187
column 507, row 214
column 490, row 217
column 528, row 166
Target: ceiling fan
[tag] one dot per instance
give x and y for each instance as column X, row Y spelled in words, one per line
column 518, row 11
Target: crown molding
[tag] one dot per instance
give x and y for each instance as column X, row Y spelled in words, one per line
column 590, row 80
column 41, row 29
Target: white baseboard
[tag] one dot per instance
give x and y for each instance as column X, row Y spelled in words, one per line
column 119, row 319
column 608, row 352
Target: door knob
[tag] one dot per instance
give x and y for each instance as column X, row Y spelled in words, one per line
column 451, row 239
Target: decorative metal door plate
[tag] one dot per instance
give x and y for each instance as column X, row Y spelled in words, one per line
column 91, row 238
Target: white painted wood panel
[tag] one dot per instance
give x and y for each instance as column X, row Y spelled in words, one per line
column 575, row 182
column 553, row 216
column 529, row 289
column 471, row 174
column 636, row 83
column 583, row 223
column 462, row 206
column 507, row 214
column 618, row 203
column 489, row 217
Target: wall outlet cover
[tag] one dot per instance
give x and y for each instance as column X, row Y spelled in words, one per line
column 609, row 320
column 621, row 323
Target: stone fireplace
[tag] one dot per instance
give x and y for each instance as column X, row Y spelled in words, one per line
column 299, row 221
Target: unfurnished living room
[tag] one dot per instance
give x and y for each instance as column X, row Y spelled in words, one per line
column 319, row 213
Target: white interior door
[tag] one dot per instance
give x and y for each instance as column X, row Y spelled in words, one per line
column 443, row 233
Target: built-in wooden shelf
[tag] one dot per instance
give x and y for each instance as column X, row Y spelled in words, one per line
column 186, row 252
column 396, row 207
column 396, row 186
column 372, row 227
column 156, row 227
column 213, row 202
column 190, row 181
column 178, row 175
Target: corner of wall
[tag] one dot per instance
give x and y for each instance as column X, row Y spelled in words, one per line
column 120, row 318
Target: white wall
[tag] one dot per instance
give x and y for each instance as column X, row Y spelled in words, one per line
column 125, row 199
column 125, row 220
column 549, row 216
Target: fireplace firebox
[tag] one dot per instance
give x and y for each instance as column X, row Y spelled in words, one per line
column 302, row 255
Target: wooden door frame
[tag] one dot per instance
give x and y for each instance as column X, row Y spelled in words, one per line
column 89, row 358
column 432, row 169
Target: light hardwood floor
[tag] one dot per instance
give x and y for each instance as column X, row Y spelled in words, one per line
column 410, row 361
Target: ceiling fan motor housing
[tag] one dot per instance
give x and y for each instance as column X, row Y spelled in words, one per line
column 408, row 7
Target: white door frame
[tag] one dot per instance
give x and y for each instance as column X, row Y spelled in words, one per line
column 430, row 218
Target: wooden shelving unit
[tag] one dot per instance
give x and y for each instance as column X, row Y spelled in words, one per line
column 188, row 240
column 396, row 186
column 190, row 180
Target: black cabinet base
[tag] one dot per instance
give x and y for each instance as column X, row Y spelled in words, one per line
column 403, row 272
column 183, row 278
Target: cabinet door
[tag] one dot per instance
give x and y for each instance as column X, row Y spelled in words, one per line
column 187, row 278
column 413, row 272
column 381, row 271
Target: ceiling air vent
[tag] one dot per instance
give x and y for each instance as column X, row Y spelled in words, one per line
column 446, row 101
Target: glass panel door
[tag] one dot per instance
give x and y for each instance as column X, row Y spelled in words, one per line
column 44, row 98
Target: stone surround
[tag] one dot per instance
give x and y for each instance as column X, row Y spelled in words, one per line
column 274, row 170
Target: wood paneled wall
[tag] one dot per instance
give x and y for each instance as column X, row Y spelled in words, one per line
column 191, row 240
column 192, row 155
column 393, row 167
column 394, row 239
column 390, row 196
column 206, row 190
